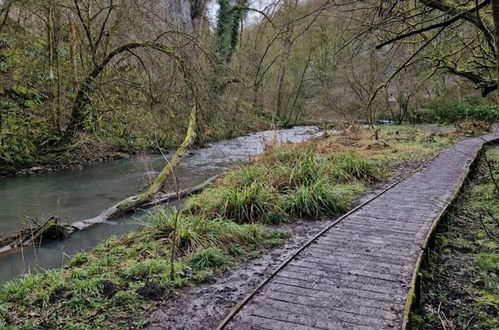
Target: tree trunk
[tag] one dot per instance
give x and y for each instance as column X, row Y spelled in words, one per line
column 5, row 13
column 281, row 80
column 495, row 13
column 283, row 66
column 72, row 52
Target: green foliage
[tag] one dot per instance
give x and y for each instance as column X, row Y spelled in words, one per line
column 34, row 113
column 460, row 278
column 19, row 147
column 487, row 265
column 23, row 125
column 26, row 97
column 461, row 112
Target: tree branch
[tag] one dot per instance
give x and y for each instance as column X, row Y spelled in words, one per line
column 452, row 20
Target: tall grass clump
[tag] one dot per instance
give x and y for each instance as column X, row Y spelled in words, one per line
column 350, row 165
column 306, row 170
column 286, row 183
column 247, row 175
column 289, row 169
column 246, row 204
column 196, row 231
column 209, row 258
column 321, row 199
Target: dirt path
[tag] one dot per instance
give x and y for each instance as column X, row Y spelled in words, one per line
column 356, row 275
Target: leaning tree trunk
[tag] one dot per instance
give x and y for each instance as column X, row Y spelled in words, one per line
column 82, row 98
column 132, row 203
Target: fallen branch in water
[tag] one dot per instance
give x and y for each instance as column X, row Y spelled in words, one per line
column 52, row 229
column 160, row 199
column 152, row 196
column 49, row 230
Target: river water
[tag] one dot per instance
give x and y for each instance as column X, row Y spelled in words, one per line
column 79, row 195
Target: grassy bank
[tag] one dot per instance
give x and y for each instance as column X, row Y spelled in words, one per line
column 459, row 281
column 113, row 286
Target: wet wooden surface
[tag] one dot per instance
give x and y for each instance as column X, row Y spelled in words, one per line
column 358, row 274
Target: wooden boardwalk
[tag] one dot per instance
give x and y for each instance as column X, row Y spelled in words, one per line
column 360, row 273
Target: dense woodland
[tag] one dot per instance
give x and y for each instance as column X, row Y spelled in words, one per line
column 83, row 79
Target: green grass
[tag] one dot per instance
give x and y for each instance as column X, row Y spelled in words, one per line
column 73, row 296
column 287, row 184
column 244, row 204
column 209, row 258
column 351, row 165
column 233, row 220
column 194, row 231
column 321, row 199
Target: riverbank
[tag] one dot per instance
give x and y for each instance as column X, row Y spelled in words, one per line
column 91, row 149
column 459, row 286
column 240, row 216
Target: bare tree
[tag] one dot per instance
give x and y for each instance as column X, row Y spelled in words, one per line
column 461, row 33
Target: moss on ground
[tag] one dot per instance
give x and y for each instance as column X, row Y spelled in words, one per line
column 459, row 280
column 112, row 286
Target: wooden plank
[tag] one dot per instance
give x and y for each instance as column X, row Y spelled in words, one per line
column 346, row 281
column 312, row 316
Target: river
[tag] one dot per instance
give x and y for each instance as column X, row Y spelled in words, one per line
column 78, row 195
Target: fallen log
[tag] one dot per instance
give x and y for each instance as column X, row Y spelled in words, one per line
column 36, row 235
column 158, row 200
column 52, row 229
